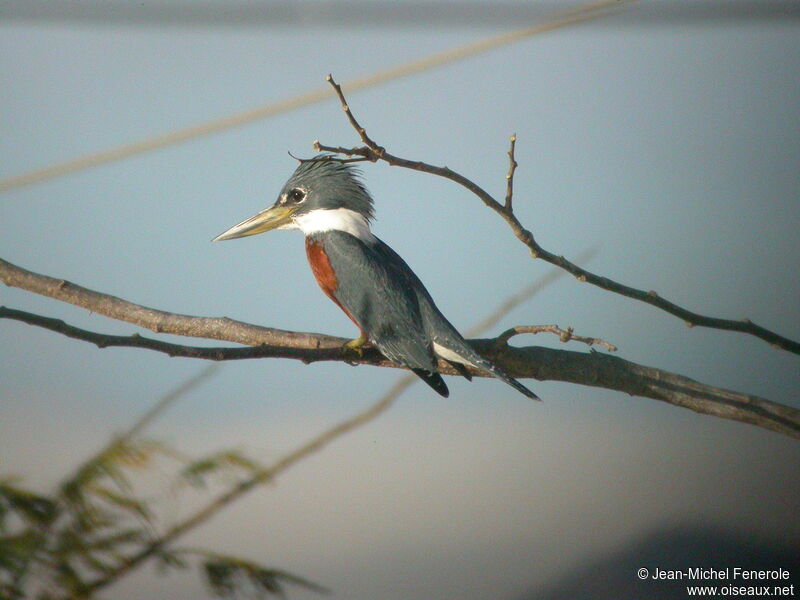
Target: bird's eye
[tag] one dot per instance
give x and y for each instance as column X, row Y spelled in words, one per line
column 297, row 195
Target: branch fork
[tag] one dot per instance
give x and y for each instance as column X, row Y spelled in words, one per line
column 564, row 335
column 372, row 151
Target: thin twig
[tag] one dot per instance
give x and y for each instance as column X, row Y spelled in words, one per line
column 512, row 167
column 565, row 335
column 362, row 133
column 373, row 151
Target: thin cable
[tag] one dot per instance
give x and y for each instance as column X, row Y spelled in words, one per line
column 578, row 15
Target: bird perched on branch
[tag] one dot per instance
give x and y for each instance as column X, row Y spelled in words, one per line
column 376, row 289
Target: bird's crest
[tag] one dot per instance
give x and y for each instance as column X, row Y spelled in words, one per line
column 332, row 180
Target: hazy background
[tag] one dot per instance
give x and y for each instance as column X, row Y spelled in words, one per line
column 673, row 142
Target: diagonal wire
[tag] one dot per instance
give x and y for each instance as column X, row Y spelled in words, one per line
column 315, row 444
column 577, row 15
column 352, row 14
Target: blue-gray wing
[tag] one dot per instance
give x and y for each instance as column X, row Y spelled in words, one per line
column 443, row 336
column 392, row 306
column 379, row 290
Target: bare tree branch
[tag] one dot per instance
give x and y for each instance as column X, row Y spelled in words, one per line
column 370, row 356
column 218, row 328
column 595, row 369
column 265, row 342
column 373, row 152
column 606, row 371
column 310, row 353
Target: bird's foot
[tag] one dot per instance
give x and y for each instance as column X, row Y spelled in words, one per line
column 356, row 346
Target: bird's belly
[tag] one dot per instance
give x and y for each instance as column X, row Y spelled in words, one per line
column 450, row 355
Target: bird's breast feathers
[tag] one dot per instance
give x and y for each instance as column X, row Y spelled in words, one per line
column 321, row 267
column 324, row 273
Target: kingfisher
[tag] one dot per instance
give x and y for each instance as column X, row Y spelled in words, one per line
column 326, row 199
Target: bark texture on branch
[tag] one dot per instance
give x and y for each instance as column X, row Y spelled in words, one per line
column 592, row 369
column 614, row 373
column 215, row 328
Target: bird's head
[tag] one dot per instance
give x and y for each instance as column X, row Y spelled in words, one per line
column 322, row 194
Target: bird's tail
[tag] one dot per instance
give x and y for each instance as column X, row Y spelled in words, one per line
column 434, row 380
column 460, row 351
column 496, row 371
column 502, row 376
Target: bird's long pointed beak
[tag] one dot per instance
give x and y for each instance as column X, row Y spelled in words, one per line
column 270, row 218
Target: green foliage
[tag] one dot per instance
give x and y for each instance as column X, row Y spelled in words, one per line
column 232, row 577
column 32, row 508
column 226, row 462
column 92, row 527
column 58, row 544
column 169, row 559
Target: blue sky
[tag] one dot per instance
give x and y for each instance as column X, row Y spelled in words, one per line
column 674, row 147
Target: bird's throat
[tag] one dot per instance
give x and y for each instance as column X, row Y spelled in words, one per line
column 336, row 219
